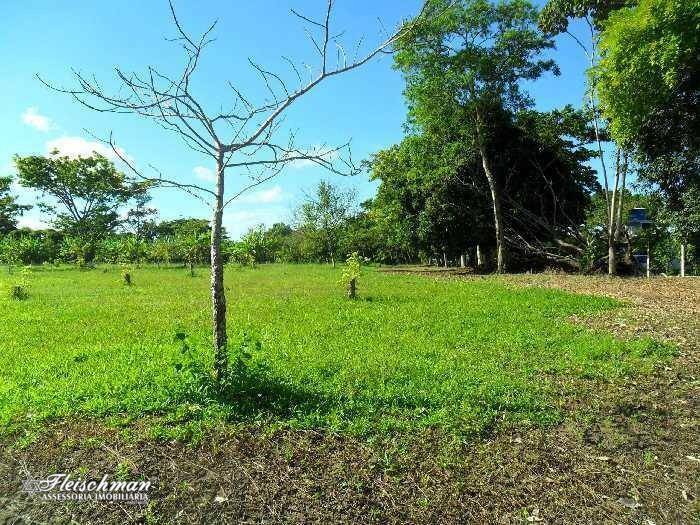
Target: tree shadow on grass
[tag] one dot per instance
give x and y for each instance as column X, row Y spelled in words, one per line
column 252, row 392
column 249, row 393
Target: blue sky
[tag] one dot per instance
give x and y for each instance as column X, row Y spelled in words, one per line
column 366, row 105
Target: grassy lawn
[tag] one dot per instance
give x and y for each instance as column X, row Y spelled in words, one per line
column 411, row 352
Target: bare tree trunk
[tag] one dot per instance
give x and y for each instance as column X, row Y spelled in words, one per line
column 621, row 198
column 592, row 55
column 218, row 294
column 612, row 222
column 497, row 215
column 478, row 256
column 495, row 193
column 600, row 148
column 462, row 261
column 612, row 259
column 682, row 259
column 352, row 288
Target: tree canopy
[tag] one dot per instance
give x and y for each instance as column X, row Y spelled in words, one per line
column 86, row 192
column 648, row 78
column 323, row 214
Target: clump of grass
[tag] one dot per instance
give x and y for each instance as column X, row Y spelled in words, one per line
column 126, row 276
column 19, row 287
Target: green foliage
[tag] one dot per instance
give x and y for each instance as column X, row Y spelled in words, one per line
column 465, row 68
column 683, row 220
column 85, row 193
column 351, row 273
column 197, row 385
column 163, row 251
column 179, row 227
column 472, row 54
column 649, row 67
column 19, row 285
column 78, row 250
column 556, row 14
column 22, row 249
column 432, row 199
column 9, row 209
column 139, row 220
column 660, row 237
column 126, row 274
column 241, row 253
column 649, row 87
column 194, row 247
column 322, row 218
column 456, row 355
column 254, row 247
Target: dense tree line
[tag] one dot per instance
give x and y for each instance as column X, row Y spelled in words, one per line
column 421, row 214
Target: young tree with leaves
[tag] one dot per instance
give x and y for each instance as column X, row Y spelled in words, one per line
column 648, row 82
column 139, row 220
column 469, row 59
column 324, row 214
column 554, row 19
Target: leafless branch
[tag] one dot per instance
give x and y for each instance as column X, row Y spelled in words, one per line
column 251, row 148
column 159, row 181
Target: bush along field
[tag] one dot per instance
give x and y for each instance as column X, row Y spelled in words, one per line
column 408, row 353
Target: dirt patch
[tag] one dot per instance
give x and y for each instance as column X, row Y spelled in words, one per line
column 627, row 452
column 665, row 308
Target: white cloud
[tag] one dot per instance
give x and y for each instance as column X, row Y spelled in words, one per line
column 74, row 147
column 32, row 222
column 32, row 117
column 203, row 173
column 274, row 194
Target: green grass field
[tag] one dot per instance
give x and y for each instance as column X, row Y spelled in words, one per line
column 411, row 352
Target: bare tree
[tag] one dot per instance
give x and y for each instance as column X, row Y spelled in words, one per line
column 242, row 139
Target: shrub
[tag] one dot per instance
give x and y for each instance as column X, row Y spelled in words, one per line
column 19, row 287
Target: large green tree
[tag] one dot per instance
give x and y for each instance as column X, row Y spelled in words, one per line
column 467, row 61
column 433, row 200
column 430, row 203
column 554, row 19
column 140, row 219
column 85, row 192
column 649, row 88
column 649, row 74
column 9, row 208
